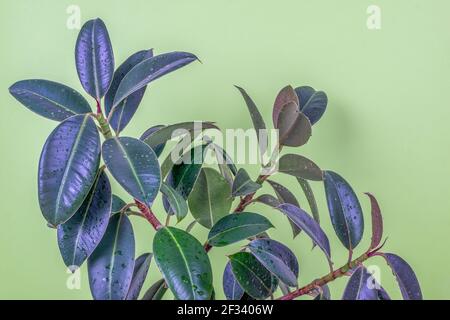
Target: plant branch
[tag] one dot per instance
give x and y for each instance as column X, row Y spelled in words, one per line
column 245, row 201
column 149, row 215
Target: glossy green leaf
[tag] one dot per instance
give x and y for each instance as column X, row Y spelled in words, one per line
column 210, row 199
column 149, row 70
column 111, row 265
column 300, row 167
column 177, row 203
column 78, row 237
column 243, row 185
column 257, row 119
column 135, row 166
column 309, row 194
column 277, row 258
column 184, row 263
column 345, row 210
column 141, row 266
column 156, row 291
column 49, row 99
column 236, row 227
column 67, row 168
column 252, row 276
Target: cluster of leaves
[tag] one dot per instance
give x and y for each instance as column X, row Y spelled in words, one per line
column 93, row 224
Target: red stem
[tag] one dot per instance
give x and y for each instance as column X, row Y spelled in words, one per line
column 99, row 107
column 149, row 215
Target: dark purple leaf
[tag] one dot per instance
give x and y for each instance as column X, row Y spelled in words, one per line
column 68, row 167
column 78, row 237
column 285, row 96
column 158, row 148
column 377, row 222
column 156, row 291
column 361, row 286
column 277, row 258
column 307, row 190
column 49, row 99
column 111, row 265
column 300, row 167
column 151, row 69
column 121, row 115
column 94, row 58
column 231, row 287
column 345, row 210
column 406, row 278
column 306, row 223
column 141, row 266
column 312, row 103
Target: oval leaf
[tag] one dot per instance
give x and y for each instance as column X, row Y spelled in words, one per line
column 309, row 194
column 231, row 287
column 300, row 167
column 277, row 258
column 345, row 210
column 156, row 291
column 257, row 119
column 243, row 185
column 312, row 103
column 176, row 201
column 252, row 276
column 285, row 96
column 268, row 200
column 150, row 69
column 135, row 166
column 210, row 199
column 67, row 168
column 360, row 286
column 121, row 115
column 377, row 222
column 141, row 266
column 49, row 99
column 94, row 58
column 78, row 237
column 158, row 148
column 184, row 263
column 294, row 127
column 406, row 278
column 111, row 265
column 308, row 225
column 237, row 227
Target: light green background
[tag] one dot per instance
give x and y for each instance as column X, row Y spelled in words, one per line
column 386, row 128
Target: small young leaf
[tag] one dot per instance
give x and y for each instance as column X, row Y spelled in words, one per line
column 377, row 222
column 243, row 185
column 49, row 99
column 135, row 166
column 123, row 112
column 257, row 119
column 307, row 190
column 231, row 287
column 300, row 167
column 117, row 204
column 285, row 96
column 406, row 278
column 345, row 210
column 141, row 266
column 277, row 258
column 237, row 227
column 78, row 237
column 68, row 167
column 294, row 127
column 111, row 265
column 252, row 276
column 94, row 58
column 176, row 201
column 210, row 199
column 184, row 263
column 156, row 291
column 159, row 148
column 149, row 70
column 312, row 103
column 360, row 286
column 308, row 225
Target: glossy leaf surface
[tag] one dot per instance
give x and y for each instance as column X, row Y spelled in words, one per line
column 94, row 58
column 176, row 201
column 156, row 291
column 49, row 99
column 312, row 103
column 67, row 168
column 184, row 264
column 294, row 127
column 141, row 266
column 309, row 194
column 111, row 265
column 78, row 237
column 243, row 185
column 135, row 166
column 345, row 210
column 300, row 167
column 231, row 287
column 236, row 227
column 360, row 286
column 285, row 96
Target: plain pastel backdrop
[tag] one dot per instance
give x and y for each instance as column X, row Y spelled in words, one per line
column 386, row 128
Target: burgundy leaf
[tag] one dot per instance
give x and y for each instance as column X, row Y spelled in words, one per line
column 377, row 222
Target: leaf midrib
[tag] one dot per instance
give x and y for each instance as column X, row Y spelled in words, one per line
column 235, row 228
